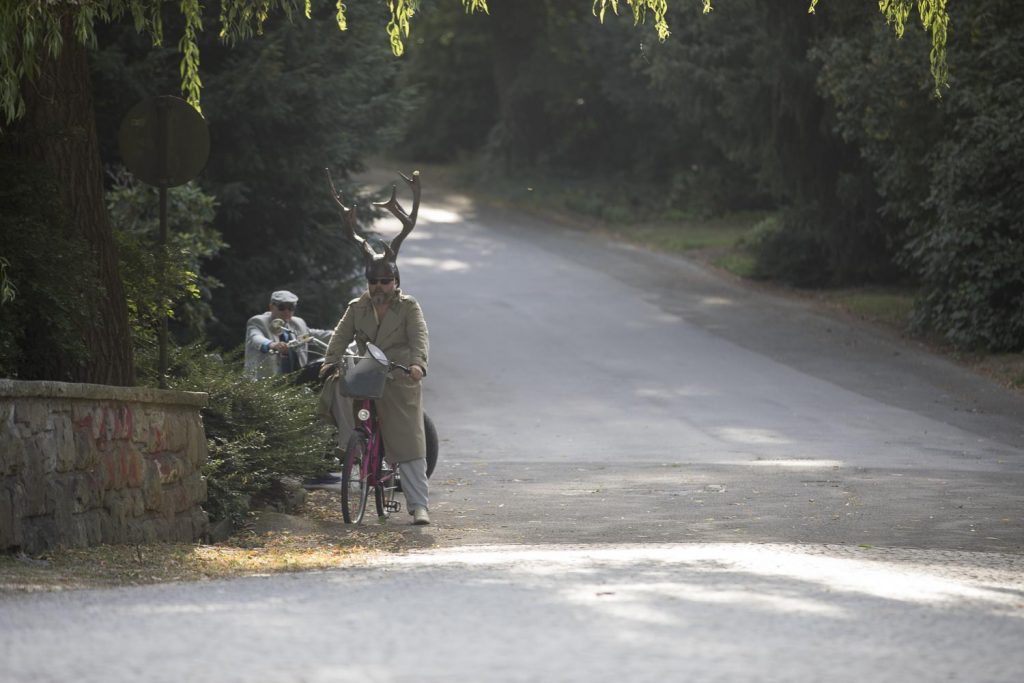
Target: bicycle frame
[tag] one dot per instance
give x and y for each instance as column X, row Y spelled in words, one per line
column 373, row 470
column 374, row 461
column 371, row 429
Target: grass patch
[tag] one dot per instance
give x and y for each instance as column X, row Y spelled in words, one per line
column 887, row 306
column 1005, row 368
column 739, row 263
column 688, row 235
column 320, row 542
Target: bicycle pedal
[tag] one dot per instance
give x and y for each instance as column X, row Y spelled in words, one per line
column 393, row 506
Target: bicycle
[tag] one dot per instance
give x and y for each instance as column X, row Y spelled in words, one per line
column 365, row 467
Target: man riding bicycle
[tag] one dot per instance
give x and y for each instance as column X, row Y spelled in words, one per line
column 267, row 351
column 393, row 321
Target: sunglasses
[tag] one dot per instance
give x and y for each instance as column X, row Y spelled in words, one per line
column 285, row 307
column 380, row 280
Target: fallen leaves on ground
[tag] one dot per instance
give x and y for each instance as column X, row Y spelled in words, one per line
column 313, row 539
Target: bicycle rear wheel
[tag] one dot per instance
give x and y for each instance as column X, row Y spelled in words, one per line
column 355, row 485
column 430, row 431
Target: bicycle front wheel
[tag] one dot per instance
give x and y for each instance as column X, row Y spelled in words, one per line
column 384, row 492
column 355, row 485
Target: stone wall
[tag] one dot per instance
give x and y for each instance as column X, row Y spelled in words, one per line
column 84, row 464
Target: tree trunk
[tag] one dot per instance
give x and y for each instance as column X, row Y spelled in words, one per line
column 59, row 131
column 516, row 26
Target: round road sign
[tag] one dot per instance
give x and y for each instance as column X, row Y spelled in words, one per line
column 164, row 141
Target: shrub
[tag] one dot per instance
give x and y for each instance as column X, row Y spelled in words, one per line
column 789, row 248
column 949, row 169
column 184, row 293
column 970, row 258
column 258, row 432
column 192, row 241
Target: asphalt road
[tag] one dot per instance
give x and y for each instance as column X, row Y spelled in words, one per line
column 648, row 472
column 588, row 392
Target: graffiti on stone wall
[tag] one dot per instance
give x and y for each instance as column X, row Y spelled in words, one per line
column 80, row 472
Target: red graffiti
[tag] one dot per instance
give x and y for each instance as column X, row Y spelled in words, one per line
column 122, row 467
column 159, row 442
column 114, row 422
column 84, row 425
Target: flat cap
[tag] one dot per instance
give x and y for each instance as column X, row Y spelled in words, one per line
column 283, row 296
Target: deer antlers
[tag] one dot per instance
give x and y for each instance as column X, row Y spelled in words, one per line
column 348, row 218
column 408, row 220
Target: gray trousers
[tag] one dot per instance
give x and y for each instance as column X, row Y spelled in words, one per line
column 414, row 483
column 341, row 410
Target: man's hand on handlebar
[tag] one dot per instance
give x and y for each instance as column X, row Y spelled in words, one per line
column 414, row 371
column 279, row 346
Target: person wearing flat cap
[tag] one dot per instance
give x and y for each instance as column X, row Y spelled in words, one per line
column 266, row 341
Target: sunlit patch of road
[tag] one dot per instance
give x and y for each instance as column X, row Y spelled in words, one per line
column 599, row 612
column 989, row 580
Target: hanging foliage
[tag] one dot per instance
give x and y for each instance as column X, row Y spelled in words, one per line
column 935, row 20
column 398, row 26
column 30, row 30
column 657, row 7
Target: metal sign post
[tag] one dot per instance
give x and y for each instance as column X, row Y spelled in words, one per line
column 164, row 141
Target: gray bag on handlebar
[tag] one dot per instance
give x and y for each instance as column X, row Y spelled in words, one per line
column 364, row 376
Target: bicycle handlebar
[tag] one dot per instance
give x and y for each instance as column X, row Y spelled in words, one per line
column 306, row 339
column 392, row 366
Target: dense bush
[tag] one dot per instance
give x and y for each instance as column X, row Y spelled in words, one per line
column 788, row 248
column 949, row 169
column 258, row 432
column 971, row 261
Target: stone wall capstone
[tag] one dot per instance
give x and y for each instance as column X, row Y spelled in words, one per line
column 84, row 464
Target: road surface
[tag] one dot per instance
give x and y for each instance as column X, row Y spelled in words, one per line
column 649, row 473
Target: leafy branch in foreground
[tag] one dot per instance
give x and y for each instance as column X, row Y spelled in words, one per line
column 30, row 30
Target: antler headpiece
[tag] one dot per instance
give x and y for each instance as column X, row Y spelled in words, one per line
column 381, row 265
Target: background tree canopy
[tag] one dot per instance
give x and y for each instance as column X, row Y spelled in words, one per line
column 824, row 119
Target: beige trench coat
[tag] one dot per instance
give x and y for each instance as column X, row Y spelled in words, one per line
column 402, row 336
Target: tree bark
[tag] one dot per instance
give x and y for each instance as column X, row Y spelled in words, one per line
column 59, row 131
